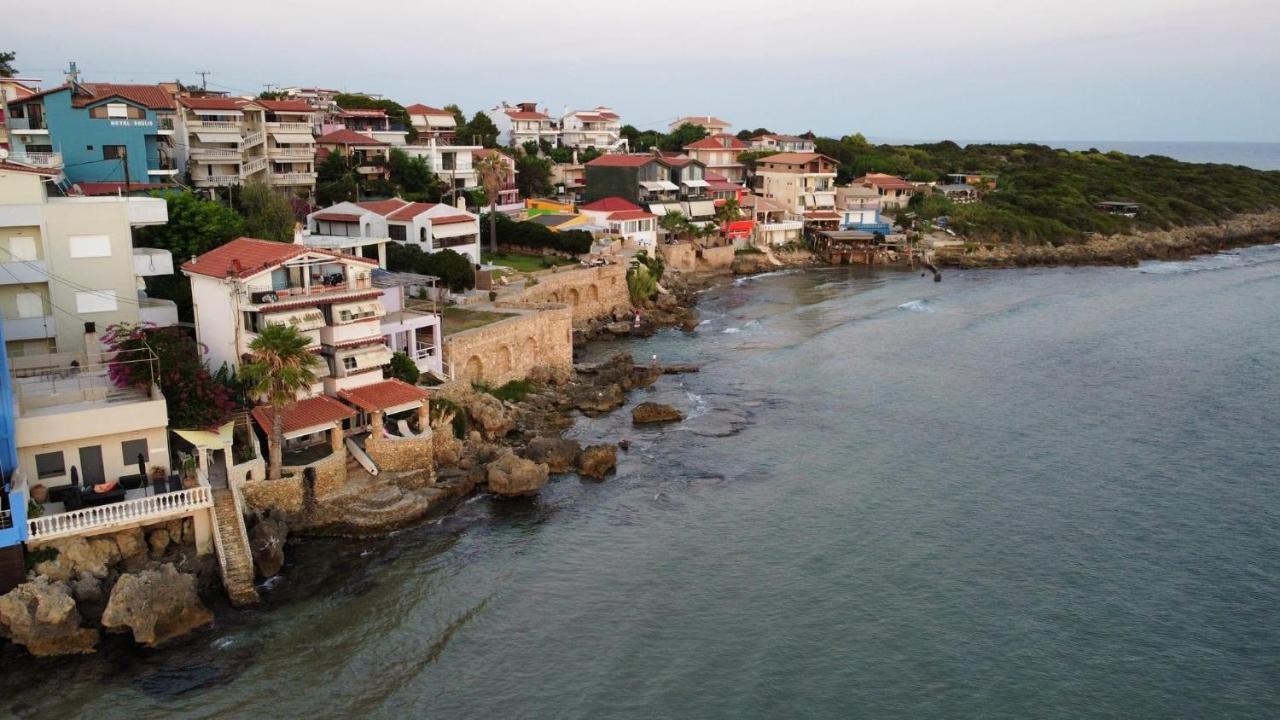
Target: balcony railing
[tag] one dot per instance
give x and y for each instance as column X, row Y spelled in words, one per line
column 290, row 152
column 215, row 180
column 251, row 139
column 293, row 178
column 38, row 159
column 22, row 123
column 290, row 126
column 252, row 166
column 214, row 124
column 104, row 517
column 215, row 153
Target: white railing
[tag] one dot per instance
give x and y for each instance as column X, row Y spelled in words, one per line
column 293, row 177
column 423, row 351
column 291, row 126
column 781, row 226
column 251, row 139
column 39, row 159
column 289, row 152
column 214, row 124
column 218, row 180
column 145, row 509
column 252, row 166
column 208, row 152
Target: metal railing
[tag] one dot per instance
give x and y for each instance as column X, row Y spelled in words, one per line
column 214, row 153
column 86, row 520
column 39, row 159
column 216, row 180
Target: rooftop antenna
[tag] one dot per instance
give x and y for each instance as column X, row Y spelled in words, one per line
column 73, row 74
column 204, row 79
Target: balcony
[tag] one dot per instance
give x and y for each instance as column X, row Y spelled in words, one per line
column 212, row 124
column 252, row 138
column 784, row 226
column 215, row 154
column 290, row 126
column 266, row 299
column 25, row 126
column 306, row 153
column 40, row 327
column 37, row 159
column 215, row 180
column 161, row 313
column 140, row 510
column 252, row 166
column 304, row 178
column 22, row 272
column 164, row 124
column 150, row 262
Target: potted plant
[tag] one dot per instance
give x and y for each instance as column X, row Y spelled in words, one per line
column 40, row 493
column 188, row 466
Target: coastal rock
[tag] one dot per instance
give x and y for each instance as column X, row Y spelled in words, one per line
column 549, row 375
column 621, row 328
column 512, row 476
column 42, row 617
column 558, row 454
column 596, row 399
column 78, row 554
column 131, row 543
column 648, row 413
column 158, row 539
column 487, row 413
column 597, row 461
column 668, row 302
column 156, row 605
column 266, row 541
column 751, row 263
column 679, row 368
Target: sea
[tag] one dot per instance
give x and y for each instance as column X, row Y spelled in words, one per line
column 1038, row 493
column 1256, row 155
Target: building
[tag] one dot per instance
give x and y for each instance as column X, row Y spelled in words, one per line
column 646, row 179
column 368, row 155
column 509, row 193
column 960, row 194
column 774, row 224
column 97, row 132
column 894, row 192
column 412, row 325
column 524, row 123
column 432, row 123
column 427, row 226
column 232, row 141
column 454, row 164
column 782, row 143
column 70, row 261
column 11, row 90
column 600, row 128
column 624, row 219
column 374, row 123
column 719, row 153
column 712, row 124
column 804, row 183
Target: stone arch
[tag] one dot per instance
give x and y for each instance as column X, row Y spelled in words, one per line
column 474, row 369
column 502, row 362
column 530, row 347
column 593, row 293
column 554, row 297
column 573, row 296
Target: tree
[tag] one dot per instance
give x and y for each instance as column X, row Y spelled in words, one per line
column 267, row 214
column 272, row 95
column 676, row 224
column 6, row 64
column 402, row 367
column 410, row 175
column 280, row 368
column 533, row 175
column 195, row 227
column 746, row 135
column 729, row 211
column 459, row 118
column 482, row 131
column 494, row 173
column 193, row 398
column 395, row 111
column 686, row 134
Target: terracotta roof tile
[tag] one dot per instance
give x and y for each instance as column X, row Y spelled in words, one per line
column 343, row 136
column 19, row 167
column 451, row 219
column 882, row 180
column 794, row 158
column 719, row 141
column 383, row 207
column 517, row 114
column 410, row 211
column 702, row 120
column 291, row 106
column 611, row 204
column 363, row 112
column 213, row 103
column 311, row 412
column 150, row 96
column 337, row 217
column 243, row 257
column 631, row 215
column 384, row 395
column 420, row 109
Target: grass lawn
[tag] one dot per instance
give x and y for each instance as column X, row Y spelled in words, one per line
column 525, row 263
column 457, row 319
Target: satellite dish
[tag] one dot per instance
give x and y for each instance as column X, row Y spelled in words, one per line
column 4, row 154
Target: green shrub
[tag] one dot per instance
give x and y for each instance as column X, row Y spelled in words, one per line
column 641, row 283
column 513, row 391
column 403, row 368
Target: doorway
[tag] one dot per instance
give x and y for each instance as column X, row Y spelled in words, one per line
column 91, row 466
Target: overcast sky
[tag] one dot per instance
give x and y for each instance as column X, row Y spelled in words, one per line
column 918, row 69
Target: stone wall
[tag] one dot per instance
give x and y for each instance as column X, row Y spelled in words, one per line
column 681, row 256
column 288, row 494
column 399, row 454
column 508, row 349
column 591, row 292
column 717, row 258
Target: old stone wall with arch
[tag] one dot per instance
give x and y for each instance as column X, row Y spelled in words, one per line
column 590, row 292
column 540, row 335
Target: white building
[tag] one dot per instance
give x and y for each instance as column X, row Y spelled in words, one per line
column 625, row 220
column 523, row 123
column 432, row 122
column 450, row 163
column 802, row 182
column 782, row 143
column 232, row 141
column 428, row 226
column 600, row 128
column 710, row 123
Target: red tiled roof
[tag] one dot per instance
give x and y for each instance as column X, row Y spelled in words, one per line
column 719, row 141
column 420, row 109
column 783, row 138
column 410, row 211
column 702, row 120
column 363, row 112
column 291, row 106
column 822, row 215
column 150, row 96
column 794, row 158
column 308, row 413
column 882, row 180
column 112, row 188
column 19, row 167
column 631, row 215
column 384, row 395
column 610, row 204
column 244, row 256
column 337, row 217
column 383, row 207
column 343, row 136
column 517, row 114
column 722, row 186
column 213, row 103
column 622, row 161
column 451, row 219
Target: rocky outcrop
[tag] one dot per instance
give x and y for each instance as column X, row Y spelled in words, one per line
column 558, row 454
column 752, row 263
column 512, row 476
column 650, row 413
column 41, row 616
column 598, row 461
column 76, row 555
column 156, row 605
column 266, row 543
column 593, row 399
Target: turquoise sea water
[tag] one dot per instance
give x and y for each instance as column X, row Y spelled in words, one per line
column 1012, row 494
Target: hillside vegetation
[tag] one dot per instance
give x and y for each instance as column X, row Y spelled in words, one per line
column 1047, row 195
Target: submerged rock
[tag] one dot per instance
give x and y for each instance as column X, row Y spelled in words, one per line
column 597, row 461
column 512, row 476
column 596, row 399
column 649, row 412
column 42, row 617
column 266, row 540
column 156, row 605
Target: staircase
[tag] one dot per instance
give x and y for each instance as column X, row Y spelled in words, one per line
column 234, row 557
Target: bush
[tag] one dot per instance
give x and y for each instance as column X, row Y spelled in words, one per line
column 439, row 406
column 641, row 283
column 533, row 235
column 453, row 268
column 513, row 391
column 403, row 368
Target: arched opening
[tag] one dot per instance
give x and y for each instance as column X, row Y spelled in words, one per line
column 474, row 369
column 422, row 235
column 593, row 293
column 503, row 364
column 530, row 348
column 554, row 297
column 573, row 296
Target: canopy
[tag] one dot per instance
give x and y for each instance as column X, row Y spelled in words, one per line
column 218, row 137
column 209, row 439
column 659, row 185
column 452, row 230
column 695, row 183
column 356, row 311
column 212, row 111
column 703, row 208
column 364, row 358
column 293, row 138
column 300, row 319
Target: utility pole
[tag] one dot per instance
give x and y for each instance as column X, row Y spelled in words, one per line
column 269, row 86
column 124, row 160
column 204, row 79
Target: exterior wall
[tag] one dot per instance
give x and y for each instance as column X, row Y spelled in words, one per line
column 217, row 321
column 607, row 181
column 680, row 256
column 717, row 258
column 590, row 292
column 396, row 454
column 80, row 139
column 288, row 494
column 106, row 426
column 507, row 350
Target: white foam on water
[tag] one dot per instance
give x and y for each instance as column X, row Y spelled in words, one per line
column 704, row 322
column 916, row 306
column 731, row 331
column 746, row 278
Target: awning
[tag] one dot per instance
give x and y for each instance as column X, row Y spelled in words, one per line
column 218, row 137
column 356, row 311
column 300, row 319
column 651, row 186
column 293, row 138
column 452, row 230
column 227, row 113
column 702, row 208
column 660, row 209
column 212, row 439
column 695, row 183
column 365, row 358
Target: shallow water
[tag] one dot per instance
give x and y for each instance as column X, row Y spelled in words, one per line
column 1012, row 494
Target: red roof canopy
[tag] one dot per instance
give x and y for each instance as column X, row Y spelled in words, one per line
column 343, row 136
column 213, row 103
column 719, row 141
column 451, row 219
column 420, row 109
column 244, row 256
column 308, row 413
column 383, row 207
column 296, row 106
column 610, row 204
column 384, row 395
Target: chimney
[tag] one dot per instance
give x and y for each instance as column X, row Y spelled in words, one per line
column 297, row 234
column 462, row 202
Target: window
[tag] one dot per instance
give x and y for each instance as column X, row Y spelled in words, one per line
column 132, row 449
column 349, row 363
column 22, row 248
column 90, row 246
column 117, row 110
column 50, row 465
column 114, row 152
column 397, row 232
column 96, row 301
column 30, row 305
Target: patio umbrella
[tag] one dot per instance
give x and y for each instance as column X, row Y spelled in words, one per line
column 142, row 470
column 75, row 477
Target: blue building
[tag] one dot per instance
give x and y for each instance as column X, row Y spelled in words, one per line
column 98, row 132
column 13, row 506
column 866, row 219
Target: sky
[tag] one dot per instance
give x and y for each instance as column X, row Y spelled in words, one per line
column 1170, row 70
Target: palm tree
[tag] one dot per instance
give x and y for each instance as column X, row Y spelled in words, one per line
column 280, row 368
column 729, row 211
column 494, row 173
column 675, row 223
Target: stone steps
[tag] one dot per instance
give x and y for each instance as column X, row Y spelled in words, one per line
column 238, row 575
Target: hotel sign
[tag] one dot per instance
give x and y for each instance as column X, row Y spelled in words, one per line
column 132, row 123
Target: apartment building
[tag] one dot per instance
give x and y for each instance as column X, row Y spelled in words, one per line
column 97, row 132
column 68, row 261
column 11, row 90
column 712, row 124
column 625, row 220
column 804, row 183
column 782, row 143
column 427, row 226
column 600, row 128
column 232, row 141
column 647, row 180
column 453, row 164
column 509, row 192
column 368, row 155
column 523, row 123
column 894, row 192
column 431, row 122
column 720, row 153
